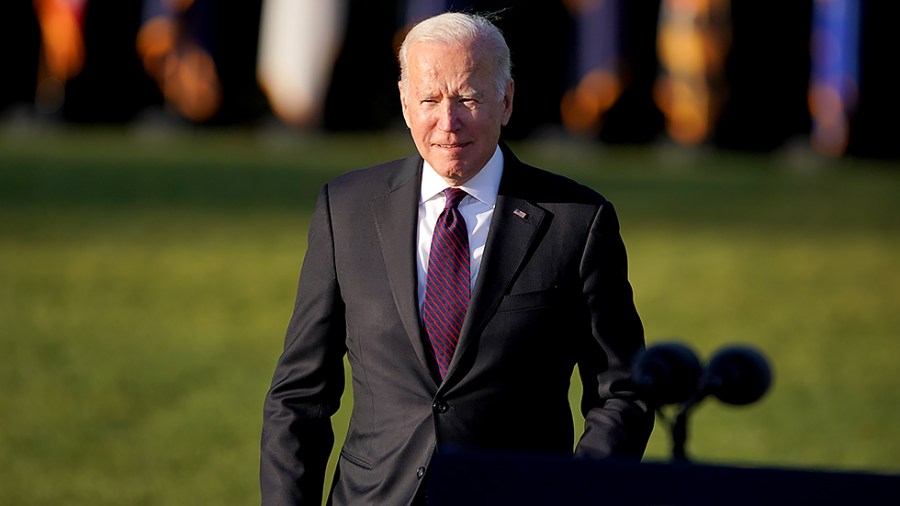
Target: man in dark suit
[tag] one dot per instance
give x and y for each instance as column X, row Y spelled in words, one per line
column 484, row 363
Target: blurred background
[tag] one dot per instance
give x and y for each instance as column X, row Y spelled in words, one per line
column 742, row 75
column 159, row 161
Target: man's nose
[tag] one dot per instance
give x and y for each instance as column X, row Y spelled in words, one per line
column 449, row 119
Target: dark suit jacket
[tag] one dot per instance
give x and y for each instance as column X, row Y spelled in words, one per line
column 552, row 292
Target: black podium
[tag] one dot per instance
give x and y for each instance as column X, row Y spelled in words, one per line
column 468, row 478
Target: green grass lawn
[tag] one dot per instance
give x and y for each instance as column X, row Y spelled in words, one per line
column 146, row 282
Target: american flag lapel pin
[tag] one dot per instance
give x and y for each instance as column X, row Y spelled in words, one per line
column 520, row 213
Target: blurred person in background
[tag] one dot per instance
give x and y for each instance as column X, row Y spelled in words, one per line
column 463, row 286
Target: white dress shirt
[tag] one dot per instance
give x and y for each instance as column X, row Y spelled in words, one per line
column 477, row 209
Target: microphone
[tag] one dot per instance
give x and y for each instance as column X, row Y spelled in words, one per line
column 738, row 375
column 671, row 373
column 667, row 373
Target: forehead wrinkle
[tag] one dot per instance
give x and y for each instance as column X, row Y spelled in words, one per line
column 434, row 58
column 431, row 74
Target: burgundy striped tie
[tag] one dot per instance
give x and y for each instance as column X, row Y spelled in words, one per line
column 447, row 280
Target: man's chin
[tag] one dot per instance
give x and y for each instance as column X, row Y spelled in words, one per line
column 454, row 174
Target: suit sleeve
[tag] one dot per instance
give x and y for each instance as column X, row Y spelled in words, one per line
column 617, row 422
column 297, row 436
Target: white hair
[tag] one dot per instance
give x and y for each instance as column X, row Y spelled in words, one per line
column 457, row 28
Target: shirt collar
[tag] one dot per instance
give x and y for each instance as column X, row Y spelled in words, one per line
column 484, row 186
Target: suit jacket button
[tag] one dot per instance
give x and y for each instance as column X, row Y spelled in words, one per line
column 420, row 472
column 440, row 406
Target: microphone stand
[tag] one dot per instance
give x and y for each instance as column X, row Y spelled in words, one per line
column 679, row 437
column 679, row 427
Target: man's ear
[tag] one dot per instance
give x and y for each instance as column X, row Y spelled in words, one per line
column 403, row 106
column 508, row 101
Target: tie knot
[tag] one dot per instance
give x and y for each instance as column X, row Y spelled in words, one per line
column 454, row 196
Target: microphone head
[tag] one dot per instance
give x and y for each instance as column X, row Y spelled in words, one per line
column 667, row 373
column 738, row 375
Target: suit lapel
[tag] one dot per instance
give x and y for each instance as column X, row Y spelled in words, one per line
column 396, row 215
column 515, row 227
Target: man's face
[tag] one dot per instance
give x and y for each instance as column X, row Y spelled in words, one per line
column 452, row 108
